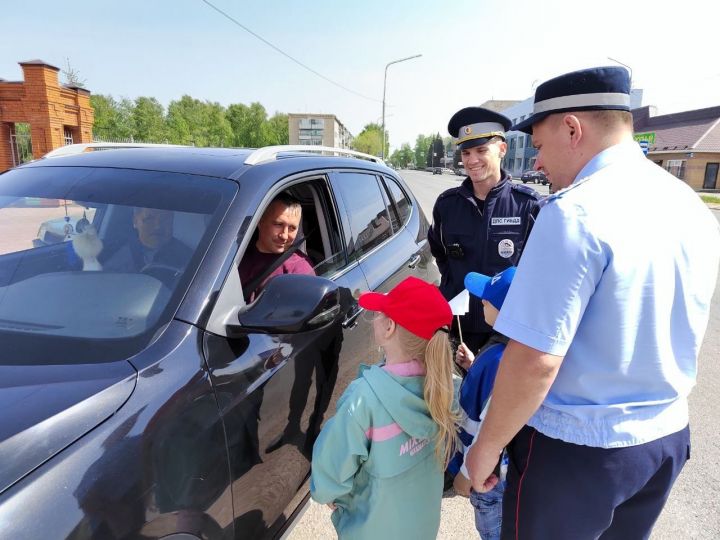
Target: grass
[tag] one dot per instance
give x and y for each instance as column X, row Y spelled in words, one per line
column 710, row 199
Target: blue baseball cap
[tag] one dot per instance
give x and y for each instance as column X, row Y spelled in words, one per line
column 493, row 289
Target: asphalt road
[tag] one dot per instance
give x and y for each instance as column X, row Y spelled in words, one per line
column 693, row 509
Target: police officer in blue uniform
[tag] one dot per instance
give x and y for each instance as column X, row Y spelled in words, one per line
column 605, row 316
column 481, row 225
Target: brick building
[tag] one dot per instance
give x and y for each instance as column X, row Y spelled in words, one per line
column 57, row 114
column 686, row 143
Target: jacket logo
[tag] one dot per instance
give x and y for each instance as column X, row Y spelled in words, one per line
column 506, row 221
column 506, row 248
column 412, row 446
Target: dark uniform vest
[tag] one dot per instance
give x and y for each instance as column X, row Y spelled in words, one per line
column 463, row 238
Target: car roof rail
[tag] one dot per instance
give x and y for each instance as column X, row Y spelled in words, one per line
column 269, row 153
column 79, row 148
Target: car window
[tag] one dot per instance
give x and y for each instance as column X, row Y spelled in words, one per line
column 367, row 214
column 106, row 253
column 321, row 245
column 400, row 209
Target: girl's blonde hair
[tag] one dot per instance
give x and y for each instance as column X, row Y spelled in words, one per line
column 436, row 355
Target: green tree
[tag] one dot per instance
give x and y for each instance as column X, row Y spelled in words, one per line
column 191, row 121
column 422, row 145
column 278, row 129
column 148, row 120
column 113, row 119
column 218, row 130
column 369, row 140
column 249, row 125
column 403, row 156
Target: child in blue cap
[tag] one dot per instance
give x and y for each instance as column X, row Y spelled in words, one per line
column 474, row 398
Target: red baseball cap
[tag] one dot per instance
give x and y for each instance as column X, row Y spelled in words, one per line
column 414, row 304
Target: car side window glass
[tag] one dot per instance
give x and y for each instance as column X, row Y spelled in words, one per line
column 400, row 208
column 367, row 214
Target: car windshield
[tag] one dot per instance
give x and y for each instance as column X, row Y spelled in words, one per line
column 94, row 262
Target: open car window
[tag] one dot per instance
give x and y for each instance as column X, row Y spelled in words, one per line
column 93, row 262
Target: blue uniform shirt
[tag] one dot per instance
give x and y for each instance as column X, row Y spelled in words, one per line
column 617, row 277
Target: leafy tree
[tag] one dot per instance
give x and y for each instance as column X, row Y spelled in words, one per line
column 148, row 120
column 249, row 125
column 278, row 129
column 403, row 156
column 23, row 142
column 113, row 119
column 191, row 121
column 218, row 130
column 370, row 140
column 448, row 143
column 422, row 145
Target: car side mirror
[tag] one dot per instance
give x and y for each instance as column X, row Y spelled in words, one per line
column 291, row 303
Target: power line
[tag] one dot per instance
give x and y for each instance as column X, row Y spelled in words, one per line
column 278, row 49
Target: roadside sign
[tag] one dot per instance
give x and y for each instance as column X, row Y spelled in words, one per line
column 647, row 136
column 644, row 147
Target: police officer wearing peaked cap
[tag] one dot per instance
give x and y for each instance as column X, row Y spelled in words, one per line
column 481, row 225
column 605, row 317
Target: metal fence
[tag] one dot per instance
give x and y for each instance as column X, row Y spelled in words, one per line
column 20, row 148
column 131, row 139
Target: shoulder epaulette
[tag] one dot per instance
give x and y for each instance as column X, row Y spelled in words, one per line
column 448, row 192
column 522, row 188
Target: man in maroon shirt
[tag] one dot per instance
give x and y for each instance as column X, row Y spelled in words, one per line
column 276, row 232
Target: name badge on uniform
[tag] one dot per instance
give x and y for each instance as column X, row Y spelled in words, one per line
column 506, row 221
column 506, row 248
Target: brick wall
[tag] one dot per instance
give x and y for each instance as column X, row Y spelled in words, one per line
column 48, row 107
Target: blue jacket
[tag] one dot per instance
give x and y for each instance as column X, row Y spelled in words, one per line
column 475, row 393
column 491, row 240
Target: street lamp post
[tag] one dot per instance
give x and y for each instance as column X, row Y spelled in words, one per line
column 382, row 151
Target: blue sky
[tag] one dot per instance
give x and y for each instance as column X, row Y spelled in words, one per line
column 471, row 51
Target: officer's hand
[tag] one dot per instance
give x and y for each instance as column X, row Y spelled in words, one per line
column 464, row 357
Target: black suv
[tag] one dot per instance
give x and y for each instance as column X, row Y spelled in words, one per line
column 535, row 177
column 156, row 403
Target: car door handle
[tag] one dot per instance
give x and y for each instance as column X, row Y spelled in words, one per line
column 414, row 260
column 351, row 320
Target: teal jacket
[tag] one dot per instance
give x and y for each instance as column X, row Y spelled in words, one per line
column 375, row 459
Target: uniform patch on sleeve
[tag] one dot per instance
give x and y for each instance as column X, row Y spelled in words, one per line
column 506, row 221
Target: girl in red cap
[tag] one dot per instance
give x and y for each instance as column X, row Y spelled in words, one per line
column 379, row 462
